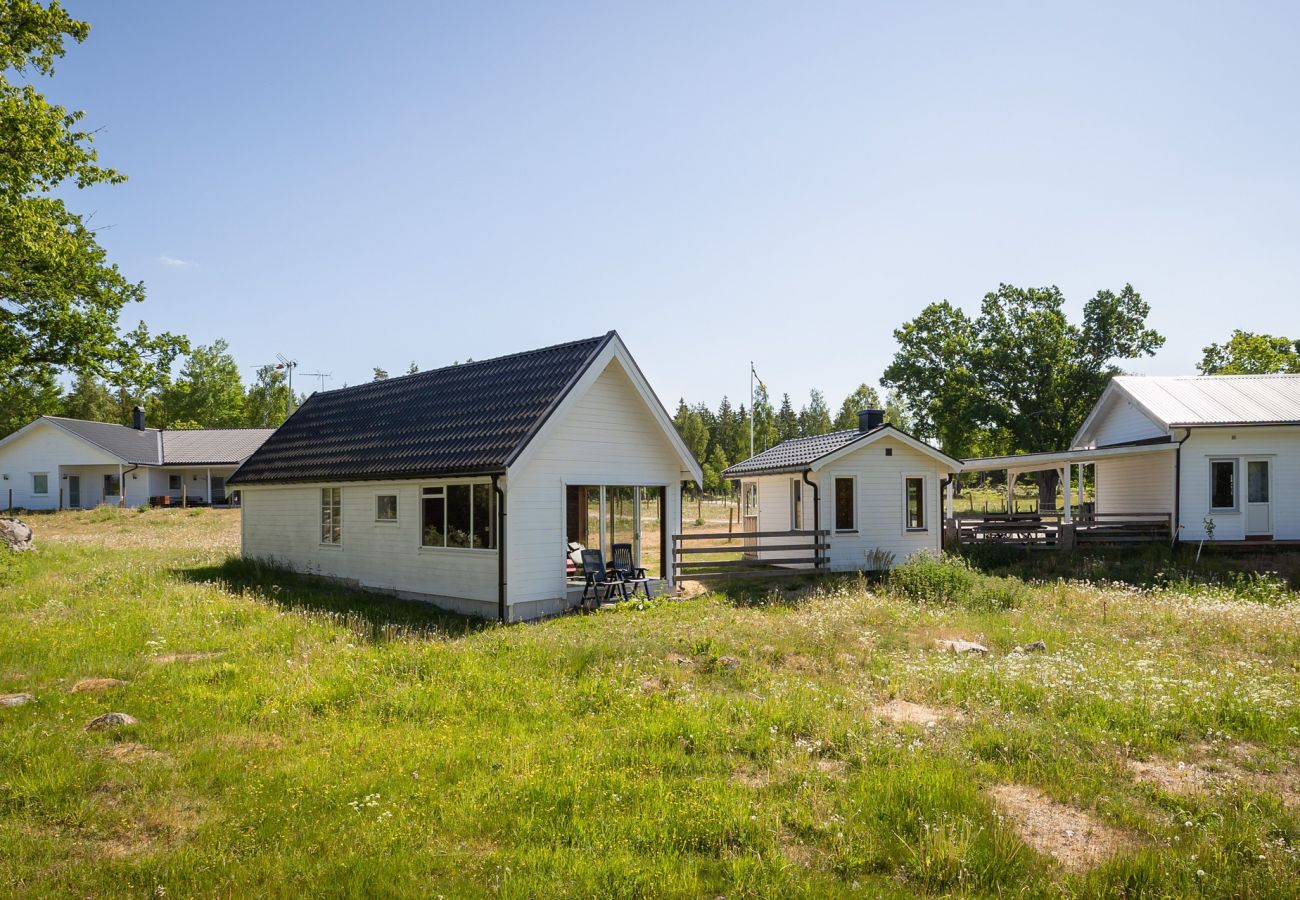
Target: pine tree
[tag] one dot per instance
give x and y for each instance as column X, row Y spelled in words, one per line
column 815, row 418
column 787, row 420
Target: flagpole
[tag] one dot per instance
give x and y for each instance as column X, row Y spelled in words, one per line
column 751, row 408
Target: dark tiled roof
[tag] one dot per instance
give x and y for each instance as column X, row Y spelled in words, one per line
column 460, row 419
column 152, row 447
column 212, row 446
column 795, row 453
column 129, row 444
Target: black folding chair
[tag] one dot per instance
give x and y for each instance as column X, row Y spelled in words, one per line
column 629, row 573
column 598, row 578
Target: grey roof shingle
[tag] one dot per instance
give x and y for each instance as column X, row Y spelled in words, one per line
column 796, row 453
column 212, row 446
column 153, row 447
column 461, row 419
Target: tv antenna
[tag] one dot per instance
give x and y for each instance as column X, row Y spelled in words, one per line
column 321, row 375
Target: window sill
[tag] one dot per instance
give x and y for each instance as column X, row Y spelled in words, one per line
column 387, row 522
column 846, row 531
column 324, row 546
column 1224, row 512
column 457, row 550
column 916, row 530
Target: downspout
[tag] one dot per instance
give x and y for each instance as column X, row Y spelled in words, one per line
column 817, row 516
column 1176, row 525
column 502, row 613
column 944, row 514
column 122, row 487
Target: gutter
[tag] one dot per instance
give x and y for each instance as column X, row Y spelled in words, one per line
column 503, row 614
column 817, row 515
column 1178, row 488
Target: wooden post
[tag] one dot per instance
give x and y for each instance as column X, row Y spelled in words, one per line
column 185, row 494
column 1067, row 518
column 730, row 515
column 1065, row 539
column 60, row 498
column 1011, row 489
column 1081, row 488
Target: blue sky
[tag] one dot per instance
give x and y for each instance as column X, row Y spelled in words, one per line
column 360, row 185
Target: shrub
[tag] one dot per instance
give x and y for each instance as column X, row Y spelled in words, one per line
column 951, row 581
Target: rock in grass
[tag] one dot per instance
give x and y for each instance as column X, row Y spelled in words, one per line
column 961, row 647
column 729, row 662
column 1038, row 646
column 16, row 699
column 109, row 720
column 16, row 533
column 87, row 685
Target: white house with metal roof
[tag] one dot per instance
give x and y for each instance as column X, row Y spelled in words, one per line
column 871, row 493
column 1218, row 452
column 57, row 463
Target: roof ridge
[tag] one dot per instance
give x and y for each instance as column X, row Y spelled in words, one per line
column 477, row 362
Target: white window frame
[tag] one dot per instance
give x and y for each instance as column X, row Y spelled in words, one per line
column 796, row 504
column 835, row 499
column 1236, row 485
column 397, row 508
column 320, row 512
column 749, row 493
column 442, row 486
column 44, row 493
column 922, row 506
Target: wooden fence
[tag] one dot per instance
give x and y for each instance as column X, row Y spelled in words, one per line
column 1032, row 531
column 714, row 555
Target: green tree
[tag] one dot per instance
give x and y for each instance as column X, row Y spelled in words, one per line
column 26, row 395
column 713, row 468
column 60, row 298
column 380, row 374
column 765, row 429
column 787, row 420
column 90, row 399
column 209, row 391
column 267, row 401
column 693, row 431
column 865, row 397
column 815, row 418
column 1247, row 353
column 1020, row 376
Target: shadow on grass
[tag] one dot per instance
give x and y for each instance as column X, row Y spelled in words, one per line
column 373, row 616
column 789, row 591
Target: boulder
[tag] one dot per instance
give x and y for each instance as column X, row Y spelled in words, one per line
column 1039, row 646
column 15, row 699
column 961, row 647
column 87, row 685
column 109, row 720
column 15, row 534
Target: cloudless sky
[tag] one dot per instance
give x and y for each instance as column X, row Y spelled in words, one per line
column 359, row 185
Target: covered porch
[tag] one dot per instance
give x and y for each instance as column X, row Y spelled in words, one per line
column 1133, row 500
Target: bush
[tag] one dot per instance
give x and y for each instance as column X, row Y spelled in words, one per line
column 951, row 581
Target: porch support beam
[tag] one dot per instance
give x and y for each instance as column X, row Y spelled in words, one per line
column 1066, row 518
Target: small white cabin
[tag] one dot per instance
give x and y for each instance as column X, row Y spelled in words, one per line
column 877, row 492
column 56, row 463
column 464, row 486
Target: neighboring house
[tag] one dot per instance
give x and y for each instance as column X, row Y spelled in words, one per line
column 1218, row 448
column 874, row 489
column 57, row 463
column 465, row 485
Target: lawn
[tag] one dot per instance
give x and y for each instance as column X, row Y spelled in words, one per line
column 293, row 738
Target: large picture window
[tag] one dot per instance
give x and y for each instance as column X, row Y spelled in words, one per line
column 845, row 511
column 331, row 515
column 1223, row 484
column 914, row 504
column 460, row 516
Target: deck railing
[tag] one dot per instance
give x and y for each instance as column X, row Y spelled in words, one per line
column 702, row 556
column 1050, row 530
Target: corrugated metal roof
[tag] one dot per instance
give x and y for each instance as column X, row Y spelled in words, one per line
column 795, row 453
column 212, row 446
column 1216, row 399
column 461, row 419
column 152, row 447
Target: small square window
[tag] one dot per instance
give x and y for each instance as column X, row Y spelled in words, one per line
column 41, row 483
column 173, row 482
column 386, row 508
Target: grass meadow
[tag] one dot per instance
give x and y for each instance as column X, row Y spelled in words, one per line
column 292, row 738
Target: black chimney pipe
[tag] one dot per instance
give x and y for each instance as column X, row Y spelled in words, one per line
column 870, row 419
column 137, row 418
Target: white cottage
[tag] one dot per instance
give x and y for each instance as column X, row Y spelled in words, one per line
column 1201, row 452
column 56, row 463
column 465, row 485
column 875, row 490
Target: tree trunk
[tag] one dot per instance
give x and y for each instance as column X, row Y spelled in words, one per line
column 1048, row 481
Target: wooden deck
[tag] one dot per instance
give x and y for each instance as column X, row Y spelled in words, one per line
column 1049, row 530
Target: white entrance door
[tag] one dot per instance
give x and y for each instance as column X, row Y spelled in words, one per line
column 1259, row 510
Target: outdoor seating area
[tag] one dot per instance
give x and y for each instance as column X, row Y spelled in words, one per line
column 603, row 581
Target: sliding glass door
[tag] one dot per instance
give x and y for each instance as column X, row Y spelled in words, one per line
column 600, row 516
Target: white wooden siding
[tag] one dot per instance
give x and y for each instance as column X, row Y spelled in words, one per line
column 46, row 448
column 607, row 436
column 282, row 525
column 1135, row 484
column 1123, row 422
column 1279, row 444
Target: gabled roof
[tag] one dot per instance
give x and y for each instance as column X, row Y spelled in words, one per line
column 212, row 446
column 1197, row 400
column 798, row 454
column 154, row 447
column 471, row 418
